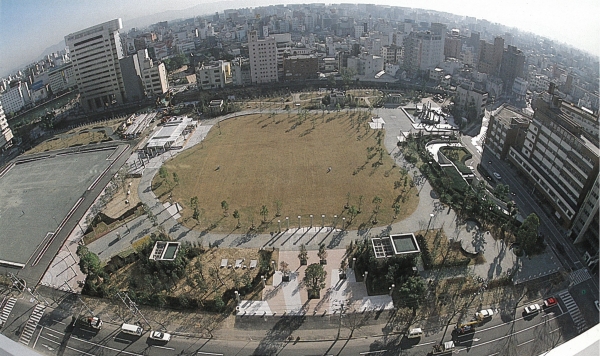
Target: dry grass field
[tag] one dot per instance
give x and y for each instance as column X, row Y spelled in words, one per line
column 79, row 136
column 283, row 160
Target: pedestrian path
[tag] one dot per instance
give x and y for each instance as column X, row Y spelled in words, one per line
column 573, row 310
column 579, row 276
column 10, row 303
column 32, row 323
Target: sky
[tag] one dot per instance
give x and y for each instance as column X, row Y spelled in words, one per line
column 28, row 27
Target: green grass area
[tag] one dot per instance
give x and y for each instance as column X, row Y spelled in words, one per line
column 282, row 162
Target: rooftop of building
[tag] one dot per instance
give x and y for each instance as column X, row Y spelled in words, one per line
column 507, row 113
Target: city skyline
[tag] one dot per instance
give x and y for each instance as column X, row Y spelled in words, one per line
column 24, row 43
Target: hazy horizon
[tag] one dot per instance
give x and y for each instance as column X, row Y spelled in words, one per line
column 29, row 27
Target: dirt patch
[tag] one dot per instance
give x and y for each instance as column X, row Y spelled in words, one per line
column 446, row 253
column 117, row 206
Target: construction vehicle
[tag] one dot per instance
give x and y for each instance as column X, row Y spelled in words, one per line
column 443, row 349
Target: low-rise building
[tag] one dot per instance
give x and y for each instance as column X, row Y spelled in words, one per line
column 213, row 75
column 468, row 98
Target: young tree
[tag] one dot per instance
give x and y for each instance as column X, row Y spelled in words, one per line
column 236, row 215
column 353, row 211
column 303, row 255
column 278, row 208
column 377, row 202
column 285, row 270
column 396, row 207
column 225, row 207
column 314, row 279
column 175, row 178
column 264, row 212
column 322, row 254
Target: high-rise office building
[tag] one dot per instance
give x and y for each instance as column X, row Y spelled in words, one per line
column 95, row 53
column 513, row 61
column 263, row 58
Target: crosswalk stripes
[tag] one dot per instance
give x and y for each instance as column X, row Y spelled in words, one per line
column 578, row 276
column 573, row 310
column 32, row 323
column 10, row 303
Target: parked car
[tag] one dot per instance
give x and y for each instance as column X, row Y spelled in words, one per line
column 532, row 309
column 550, row 302
column 160, row 336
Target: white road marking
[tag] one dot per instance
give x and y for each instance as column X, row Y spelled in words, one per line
column 526, row 342
column 106, row 347
column 164, row 347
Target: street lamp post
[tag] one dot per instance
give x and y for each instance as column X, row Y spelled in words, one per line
column 340, row 323
column 311, row 220
column 334, row 221
column 299, row 221
column 287, row 220
column 429, row 224
column 279, row 224
column 392, row 289
column 322, row 220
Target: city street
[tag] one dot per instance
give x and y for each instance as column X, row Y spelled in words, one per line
column 522, row 336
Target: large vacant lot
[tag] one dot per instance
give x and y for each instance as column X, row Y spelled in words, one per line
column 299, row 164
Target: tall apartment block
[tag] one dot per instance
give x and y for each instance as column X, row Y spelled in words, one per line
column 6, row 134
column 490, row 56
column 511, row 67
column 263, row 59
column 557, row 158
column 95, row 53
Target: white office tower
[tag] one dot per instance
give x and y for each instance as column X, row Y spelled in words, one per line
column 263, row 59
column 95, row 53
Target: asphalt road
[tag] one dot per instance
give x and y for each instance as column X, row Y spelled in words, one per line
column 507, row 333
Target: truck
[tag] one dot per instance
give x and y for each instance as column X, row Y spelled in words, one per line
column 93, row 322
column 443, row 349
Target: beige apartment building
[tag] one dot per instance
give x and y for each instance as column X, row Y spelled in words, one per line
column 263, row 59
column 95, row 54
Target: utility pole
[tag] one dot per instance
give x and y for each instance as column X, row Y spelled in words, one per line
column 22, row 285
column 130, row 304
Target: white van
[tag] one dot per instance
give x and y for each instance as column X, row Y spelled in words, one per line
column 414, row 333
column 131, row 329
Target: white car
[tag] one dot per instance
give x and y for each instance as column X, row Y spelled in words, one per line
column 483, row 314
column 533, row 308
column 160, row 336
column 497, row 175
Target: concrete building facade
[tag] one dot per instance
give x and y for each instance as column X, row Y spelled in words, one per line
column 6, row 134
column 263, row 59
column 213, row 75
column 557, row 159
column 16, row 97
column 300, row 67
column 95, row 54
